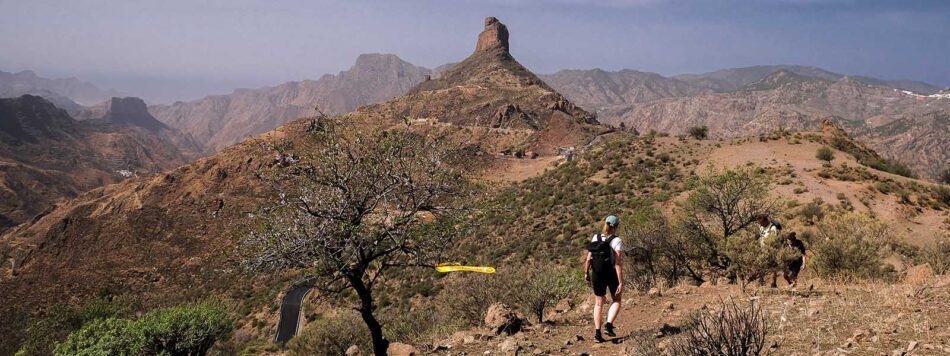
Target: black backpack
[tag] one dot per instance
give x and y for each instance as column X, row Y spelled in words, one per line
column 778, row 225
column 601, row 254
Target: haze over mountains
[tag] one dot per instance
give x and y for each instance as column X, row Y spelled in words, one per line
column 168, row 230
column 27, row 82
column 162, row 236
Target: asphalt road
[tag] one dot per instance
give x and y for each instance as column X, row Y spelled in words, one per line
column 290, row 310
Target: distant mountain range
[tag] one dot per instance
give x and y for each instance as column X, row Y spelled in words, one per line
column 732, row 102
column 71, row 89
column 222, row 120
column 751, row 101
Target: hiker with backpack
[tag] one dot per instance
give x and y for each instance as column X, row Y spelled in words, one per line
column 769, row 230
column 603, row 270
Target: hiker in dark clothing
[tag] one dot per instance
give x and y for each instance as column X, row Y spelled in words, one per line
column 603, row 269
column 794, row 267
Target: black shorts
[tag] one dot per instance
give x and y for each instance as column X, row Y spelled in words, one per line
column 792, row 269
column 601, row 283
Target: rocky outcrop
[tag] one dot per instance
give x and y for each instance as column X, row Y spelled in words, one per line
column 495, row 35
column 491, row 89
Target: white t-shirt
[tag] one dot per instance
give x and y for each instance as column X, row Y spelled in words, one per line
column 615, row 244
column 766, row 232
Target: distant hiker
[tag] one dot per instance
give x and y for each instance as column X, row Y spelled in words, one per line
column 603, row 269
column 768, row 231
column 768, row 228
column 795, row 266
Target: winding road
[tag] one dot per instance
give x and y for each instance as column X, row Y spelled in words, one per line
column 290, row 312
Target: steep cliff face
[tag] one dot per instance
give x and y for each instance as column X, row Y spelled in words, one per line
column 132, row 113
column 221, row 120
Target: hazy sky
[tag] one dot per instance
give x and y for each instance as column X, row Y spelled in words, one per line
column 177, row 49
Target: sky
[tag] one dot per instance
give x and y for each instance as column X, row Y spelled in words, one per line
column 185, row 49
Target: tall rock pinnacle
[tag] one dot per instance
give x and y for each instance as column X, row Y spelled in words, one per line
column 495, row 35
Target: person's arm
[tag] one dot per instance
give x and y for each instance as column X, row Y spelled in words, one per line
column 587, row 267
column 618, row 265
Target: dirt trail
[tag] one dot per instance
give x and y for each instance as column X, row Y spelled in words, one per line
column 815, row 319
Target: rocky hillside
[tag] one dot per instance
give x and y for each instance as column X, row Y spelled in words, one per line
column 790, row 101
column 170, row 237
column 47, row 155
column 27, row 82
column 222, row 120
column 595, row 89
column 133, row 112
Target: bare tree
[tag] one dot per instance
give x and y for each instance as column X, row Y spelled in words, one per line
column 733, row 330
column 352, row 203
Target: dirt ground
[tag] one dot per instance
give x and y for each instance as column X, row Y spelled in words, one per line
column 812, row 319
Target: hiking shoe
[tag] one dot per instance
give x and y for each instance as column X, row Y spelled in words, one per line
column 609, row 330
column 597, row 337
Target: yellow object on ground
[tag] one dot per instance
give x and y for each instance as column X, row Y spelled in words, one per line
column 478, row 269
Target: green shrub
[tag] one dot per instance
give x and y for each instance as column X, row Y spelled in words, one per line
column 539, row 287
column 849, row 246
column 699, row 132
column 182, row 330
column 748, row 260
column 331, row 336
column 825, row 154
column 937, row 256
column 109, row 336
column 42, row 332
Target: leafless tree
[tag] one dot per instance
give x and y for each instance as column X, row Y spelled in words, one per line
column 353, row 202
column 733, row 330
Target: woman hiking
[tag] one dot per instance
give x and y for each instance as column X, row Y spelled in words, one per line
column 603, row 269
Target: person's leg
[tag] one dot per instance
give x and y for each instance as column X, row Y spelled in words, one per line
column 774, row 279
column 598, row 309
column 614, row 307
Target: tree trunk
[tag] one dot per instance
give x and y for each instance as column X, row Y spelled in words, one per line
column 380, row 344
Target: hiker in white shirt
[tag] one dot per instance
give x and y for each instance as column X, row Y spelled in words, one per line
column 603, row 269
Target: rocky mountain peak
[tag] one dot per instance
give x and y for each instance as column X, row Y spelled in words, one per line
column 495, row 35
column 128, row 111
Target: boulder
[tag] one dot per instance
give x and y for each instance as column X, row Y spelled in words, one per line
column 501, row 319
column 353, row 351
column 400, row 349
column 510, row 345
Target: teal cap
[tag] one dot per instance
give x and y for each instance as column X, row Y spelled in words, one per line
column 612, row 221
